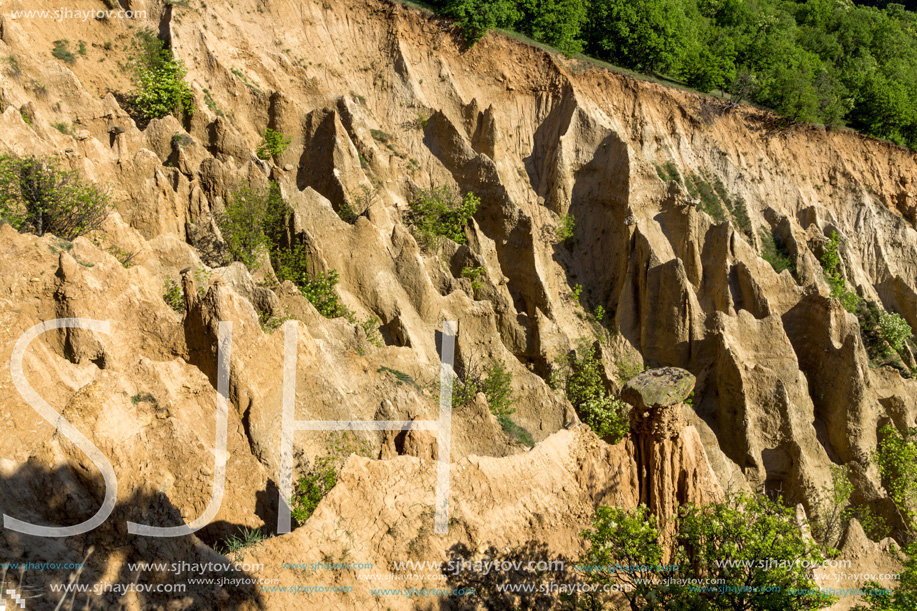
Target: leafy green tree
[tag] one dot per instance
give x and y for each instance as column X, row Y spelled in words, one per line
column 710, row 63
column 476, row 17
column 38, row 196
column 646, row 35
column 756, row 547
column 834, row 275
column 554, row 22
column 243, row 223
column 752, row 546
column 161, row 89
column 624, row 549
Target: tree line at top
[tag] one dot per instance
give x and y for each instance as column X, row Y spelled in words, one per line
column 826, row 61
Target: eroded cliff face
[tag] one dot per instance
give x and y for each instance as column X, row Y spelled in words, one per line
column 380, row 99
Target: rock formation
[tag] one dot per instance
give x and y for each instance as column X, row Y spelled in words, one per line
column 672, row 467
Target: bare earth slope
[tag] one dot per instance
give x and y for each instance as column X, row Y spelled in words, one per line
column 380, row 101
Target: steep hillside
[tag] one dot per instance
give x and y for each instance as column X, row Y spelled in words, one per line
column 675, row 199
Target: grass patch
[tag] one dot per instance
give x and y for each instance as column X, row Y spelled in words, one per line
column 236, row 544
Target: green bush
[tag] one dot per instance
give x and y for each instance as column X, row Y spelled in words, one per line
column 257, row 220
column 834, row 275
column 174, row 296
column 319, row 290
column 565, row 228
column 161, row 89
column 581, row 379
column 39, row 197
column 62, row 51
column 323, row 476
column 273, row 144
column 494, row 380
column 896, row 458
column 746, row 528
column 164, row 92
column 244, row 220
column 474, row 274
column 894, row 330
column 312, row 488
column 774, row 252
column 728, row 541
column 438, row 213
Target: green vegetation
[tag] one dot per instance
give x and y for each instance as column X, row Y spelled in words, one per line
column 884, row 334
column 896, row 458
column 708, row 199
column 774, row 251
column 256, row 221
column 273, row 144
column 319, row 290
column 322, row 477
column 474, row 274
column 62, row 51
column 565, row 228
column 577, row 293
column 834, row 275
column 161, row 89
column 248, row 215
column 235, row 544
column 269, row 322
column 211, row 103
column 809, row 60
column 833, row 510
column 495, row 381
column 381, row 136
column 746, row 529
column 39, row 197
column 143, row 397
column 174, row 296
column 668, row 172
column 894, row 330
column 439, row 213
column 903, row 597
column 370, row 328
column 312, row 488
column 13, row 69
column 64, row 128
column 402, row 377
column 581, row 378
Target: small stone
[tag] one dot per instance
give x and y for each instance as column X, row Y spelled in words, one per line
column 288, row 167
column 81, row 135
column 659, row 388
